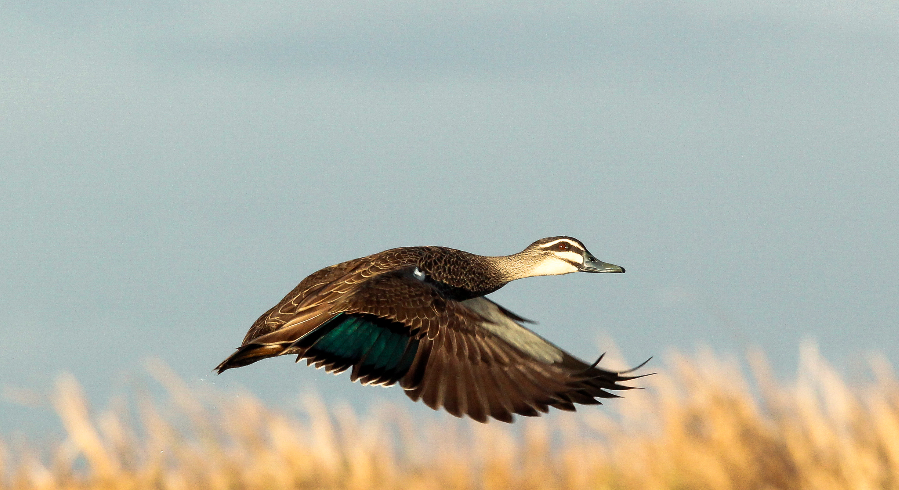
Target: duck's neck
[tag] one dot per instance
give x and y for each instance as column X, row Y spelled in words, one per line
column 523, row 264
column 511, row 267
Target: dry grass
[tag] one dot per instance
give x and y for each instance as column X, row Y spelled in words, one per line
column 702, row 424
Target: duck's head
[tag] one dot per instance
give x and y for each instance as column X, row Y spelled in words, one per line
column 563, row 255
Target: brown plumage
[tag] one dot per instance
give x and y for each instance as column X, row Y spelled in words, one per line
column 418, row 316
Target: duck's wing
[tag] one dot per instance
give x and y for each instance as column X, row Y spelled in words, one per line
column 307, row 307
column 315, row 289
column 470, row 357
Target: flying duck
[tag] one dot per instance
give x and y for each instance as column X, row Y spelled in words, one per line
column 418, row 316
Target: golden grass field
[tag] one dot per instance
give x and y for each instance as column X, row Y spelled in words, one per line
column 702, row 423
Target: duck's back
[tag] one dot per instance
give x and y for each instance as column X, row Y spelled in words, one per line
column 322, row 281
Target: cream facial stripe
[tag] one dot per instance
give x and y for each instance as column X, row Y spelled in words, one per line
column 553, row 266
column 573, row 257
column 566, row 240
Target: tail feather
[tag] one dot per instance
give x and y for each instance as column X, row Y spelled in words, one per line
column 275, row 343
column 250, row 353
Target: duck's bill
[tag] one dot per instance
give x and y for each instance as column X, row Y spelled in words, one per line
column 592, row 264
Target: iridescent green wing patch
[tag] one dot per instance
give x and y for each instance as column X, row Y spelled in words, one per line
column 380, row 351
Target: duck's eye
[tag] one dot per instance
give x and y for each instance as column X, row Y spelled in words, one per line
column 563, row 246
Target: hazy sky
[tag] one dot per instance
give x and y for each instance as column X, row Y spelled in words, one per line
column 170, row 170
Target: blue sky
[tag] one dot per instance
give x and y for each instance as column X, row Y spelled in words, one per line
column 171, row 170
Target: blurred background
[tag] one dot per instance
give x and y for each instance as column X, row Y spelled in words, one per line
column 170, row 170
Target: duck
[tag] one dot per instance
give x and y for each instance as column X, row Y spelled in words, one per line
column 419, row 317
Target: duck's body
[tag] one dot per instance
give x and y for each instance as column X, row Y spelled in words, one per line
column 418, row 316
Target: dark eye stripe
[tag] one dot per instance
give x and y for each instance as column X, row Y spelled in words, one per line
column 569, row 246
column 556, row 246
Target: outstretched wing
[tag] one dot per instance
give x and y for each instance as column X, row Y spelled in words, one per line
column 493, row 366
column 469, row 357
